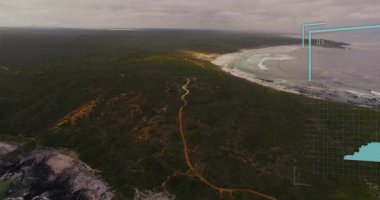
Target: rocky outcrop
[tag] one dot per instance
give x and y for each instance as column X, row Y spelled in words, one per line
column 45, row 174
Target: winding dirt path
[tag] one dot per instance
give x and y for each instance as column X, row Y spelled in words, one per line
column 192, row 169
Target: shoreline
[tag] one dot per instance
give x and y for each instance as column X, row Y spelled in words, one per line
column 314, row 90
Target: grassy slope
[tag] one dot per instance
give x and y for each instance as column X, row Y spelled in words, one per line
column 241, row 134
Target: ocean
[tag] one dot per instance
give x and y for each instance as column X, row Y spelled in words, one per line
column 350, row 74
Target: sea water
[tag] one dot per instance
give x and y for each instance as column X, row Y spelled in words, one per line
column 349, row 74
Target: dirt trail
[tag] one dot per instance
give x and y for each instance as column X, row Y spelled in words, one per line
column 192, row 169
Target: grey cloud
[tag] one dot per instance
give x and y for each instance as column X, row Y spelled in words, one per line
column 256, row 15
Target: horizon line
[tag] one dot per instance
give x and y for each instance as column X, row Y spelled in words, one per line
column 148, row 28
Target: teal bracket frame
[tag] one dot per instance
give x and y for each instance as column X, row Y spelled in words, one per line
column 303, row 30
column 330, row 30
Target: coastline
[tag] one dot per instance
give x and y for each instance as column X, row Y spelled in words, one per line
column 315, row 90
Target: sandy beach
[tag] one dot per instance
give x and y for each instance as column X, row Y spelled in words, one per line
column 284, row 68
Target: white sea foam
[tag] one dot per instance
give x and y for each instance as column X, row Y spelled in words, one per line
column 287, row 72
column 375, row 93
column 355, row 92
column 250, row 77
column 279, row 57
column 257, row 57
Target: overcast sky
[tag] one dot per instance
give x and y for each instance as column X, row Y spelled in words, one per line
column 253, row 15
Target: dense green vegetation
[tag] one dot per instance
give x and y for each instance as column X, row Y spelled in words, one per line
column 3, row 188
column 241, row 134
